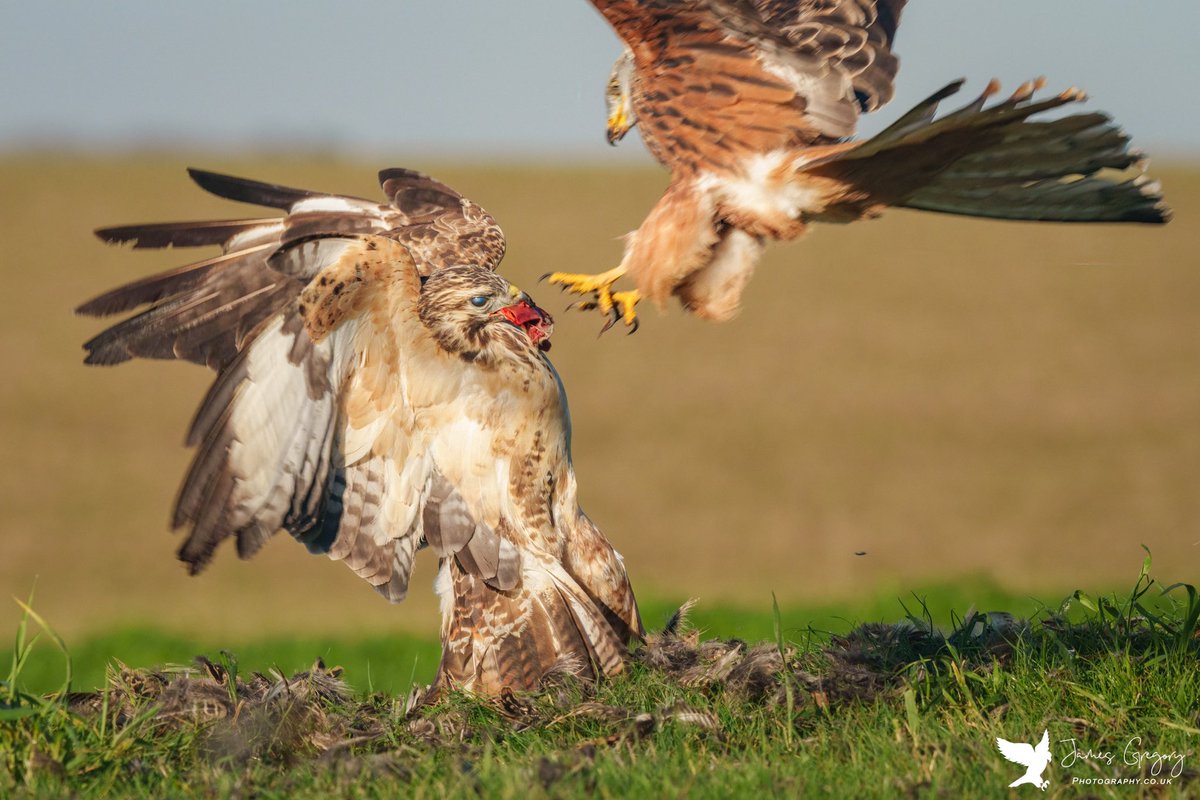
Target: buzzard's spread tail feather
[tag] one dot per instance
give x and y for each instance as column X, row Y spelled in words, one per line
column 494, row 639
column 995, row 162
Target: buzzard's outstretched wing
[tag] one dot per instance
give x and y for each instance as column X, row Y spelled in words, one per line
column 306, row 430
column 724, row 78
column 204, row 311
column 303, row 429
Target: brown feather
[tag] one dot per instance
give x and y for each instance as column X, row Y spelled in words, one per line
column 245, row 190
column 153, row 288
column 994, row 162
column 719, row 79
column 182, row 234
column 495, row 640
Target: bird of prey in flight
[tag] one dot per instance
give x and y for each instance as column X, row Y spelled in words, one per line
column 752, row 106
column 380, row 389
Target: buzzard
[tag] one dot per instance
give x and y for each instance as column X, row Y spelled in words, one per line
column 751, row 105
column 381, row 389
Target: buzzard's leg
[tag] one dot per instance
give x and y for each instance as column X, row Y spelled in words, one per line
column 617, row 306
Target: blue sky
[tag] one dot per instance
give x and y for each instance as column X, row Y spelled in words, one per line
column 486, row 78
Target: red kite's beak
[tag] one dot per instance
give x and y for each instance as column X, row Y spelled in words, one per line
column 619, row 123
column 536, row 323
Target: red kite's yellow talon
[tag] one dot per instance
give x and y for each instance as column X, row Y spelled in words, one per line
column 617, row 306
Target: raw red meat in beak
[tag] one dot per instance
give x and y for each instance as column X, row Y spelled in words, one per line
column 536, row 322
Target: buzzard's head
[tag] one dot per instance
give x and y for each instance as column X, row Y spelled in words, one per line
column 474, row 313
column 618, row 94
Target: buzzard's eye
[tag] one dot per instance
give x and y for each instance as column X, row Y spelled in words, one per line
column 479, row 300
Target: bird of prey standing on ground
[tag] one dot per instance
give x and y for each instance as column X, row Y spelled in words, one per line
column 380, row 388
column 751, row 105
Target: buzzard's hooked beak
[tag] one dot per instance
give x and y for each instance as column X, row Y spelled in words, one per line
column 525, row 314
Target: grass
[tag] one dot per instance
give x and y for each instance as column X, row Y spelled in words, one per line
column 882, row 711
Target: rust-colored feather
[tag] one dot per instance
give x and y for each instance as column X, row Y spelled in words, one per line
column 719, row 79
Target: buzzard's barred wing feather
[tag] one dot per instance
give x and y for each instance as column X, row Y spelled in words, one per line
column 245, row 190
column 199, row 314
column 186, row 234
column 438, row 224
column 269, row 429
column 452, row 531
column 375, row 530
column 154, row 288
column 264, row 443
column 419, row 198
column 272, row 429
column 261, row 271
column 433, row 220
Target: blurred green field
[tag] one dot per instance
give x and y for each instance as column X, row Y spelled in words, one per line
column 960, row 401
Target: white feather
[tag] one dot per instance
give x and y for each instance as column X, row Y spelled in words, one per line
column 259, row 235
column 281, row 433
column 828, row 94
column 443, row 587
column 759, row 192
column 265, row 419
column 329, row 203
column 715, row 292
